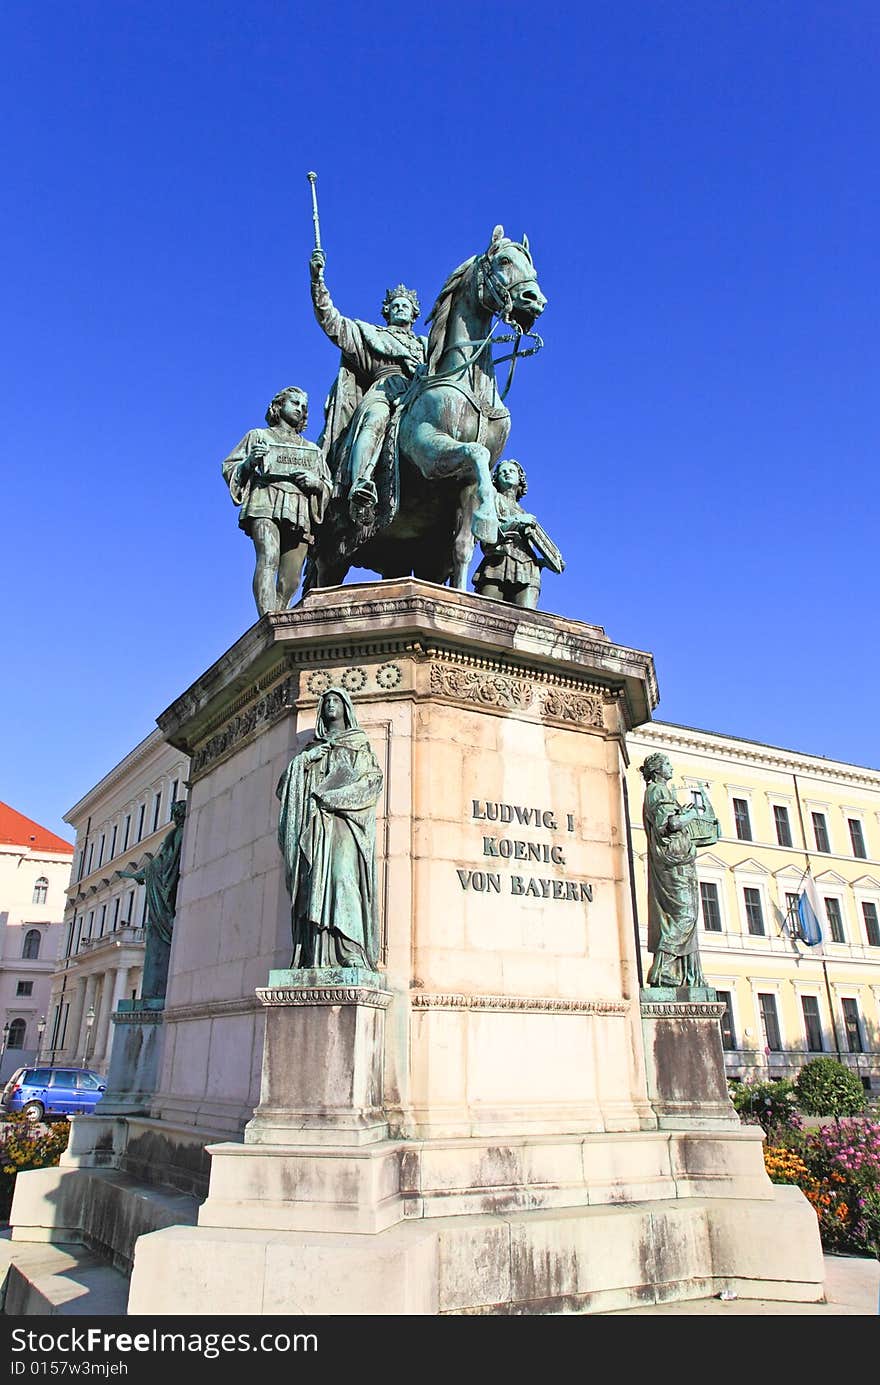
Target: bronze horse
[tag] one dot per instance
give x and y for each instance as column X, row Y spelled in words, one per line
column 434, row 479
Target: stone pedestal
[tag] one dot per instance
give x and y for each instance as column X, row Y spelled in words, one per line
column 687, row 1083
column 135, row 1058
column 322, row 1060
column 487, row 1125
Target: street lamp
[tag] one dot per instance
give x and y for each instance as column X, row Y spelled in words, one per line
column 5, row 1040
column 41, row 1029
column 90, row 1020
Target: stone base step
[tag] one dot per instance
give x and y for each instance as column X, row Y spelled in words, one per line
column 60, row 1281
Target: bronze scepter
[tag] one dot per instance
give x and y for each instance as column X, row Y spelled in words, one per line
column 313, row 178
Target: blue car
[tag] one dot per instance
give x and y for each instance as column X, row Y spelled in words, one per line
column 39, row 1092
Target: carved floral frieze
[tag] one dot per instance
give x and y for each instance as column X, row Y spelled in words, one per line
column 555, row 1005
column 324, row 995
column 250, row 719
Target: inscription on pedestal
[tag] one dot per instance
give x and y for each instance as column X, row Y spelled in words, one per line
column 526, row 849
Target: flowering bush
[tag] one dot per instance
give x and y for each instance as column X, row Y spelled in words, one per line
column 26, row 1145
column 772, row 1105
column 838, row 1170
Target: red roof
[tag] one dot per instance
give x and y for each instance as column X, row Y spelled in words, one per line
column 22, row 831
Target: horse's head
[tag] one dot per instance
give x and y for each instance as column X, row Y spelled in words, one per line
column 506, row 283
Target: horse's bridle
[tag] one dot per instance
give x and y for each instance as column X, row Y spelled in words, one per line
column 500, row 302
column 501, row 308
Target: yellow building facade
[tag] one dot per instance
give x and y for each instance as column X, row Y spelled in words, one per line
column 781, row 813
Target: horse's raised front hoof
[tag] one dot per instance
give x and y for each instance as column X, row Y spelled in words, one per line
column 484, row 526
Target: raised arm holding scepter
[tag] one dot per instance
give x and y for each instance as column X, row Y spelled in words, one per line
column 377, row 366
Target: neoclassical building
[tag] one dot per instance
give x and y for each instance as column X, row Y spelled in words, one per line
column 34, row 872
column 781, row 811
column 119, row 824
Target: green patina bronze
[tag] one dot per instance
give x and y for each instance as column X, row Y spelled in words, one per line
column 280, row 482
column 160, row 877
column 511, row 567
column 327, row 835
column 378, row 364
column 674, row 831
column 413, row 427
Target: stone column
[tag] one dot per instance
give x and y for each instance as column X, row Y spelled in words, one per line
column 74, row 999
column 120, row 985
column 88, row 1000
column 101, row 1047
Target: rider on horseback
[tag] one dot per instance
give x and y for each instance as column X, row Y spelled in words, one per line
column 378, row 364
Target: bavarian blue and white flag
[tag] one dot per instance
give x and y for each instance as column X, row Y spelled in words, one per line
column 809, row 927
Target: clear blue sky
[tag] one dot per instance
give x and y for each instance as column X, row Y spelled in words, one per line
column 702, row 431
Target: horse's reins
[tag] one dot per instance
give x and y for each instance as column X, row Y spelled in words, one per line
column 501, row 305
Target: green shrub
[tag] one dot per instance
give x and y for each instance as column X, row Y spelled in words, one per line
column 825, row 1087
column 25, row 1144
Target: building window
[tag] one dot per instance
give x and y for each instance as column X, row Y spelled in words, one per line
column 103, row 920
column 728, row 1037
column 24, row 988
column 741, row 819
column 820, row 829
column 140, row 831
column 31, row 948
column 16, row 1034
column 91, row 857
column 770, row 1023
column 835, row 920
column 112, row 843
column 872, row 925
column 116, row 903
column 41, row 889
column 857, row 837
column 783, row 825
column 754, row 912
column 101, row 846
column 852, row 1025
column 129, row 908
column 56, row 1024
column 157, row 806
column 812, row 1023
column 173, row 798
column 127, row 832
column 709, row 902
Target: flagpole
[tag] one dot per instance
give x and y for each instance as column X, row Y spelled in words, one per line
column 809, row 871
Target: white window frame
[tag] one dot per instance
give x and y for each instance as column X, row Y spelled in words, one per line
column 779, row 800
column 769, row 987
column 855, row 815
column 736, row 791
column 845, row 992
column 728, row 984
column 866, row 889
column 749, row 873
column 712, row 871
column 824, row 1024
column 812, row 806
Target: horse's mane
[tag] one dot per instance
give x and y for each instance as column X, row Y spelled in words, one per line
column 439, row 314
